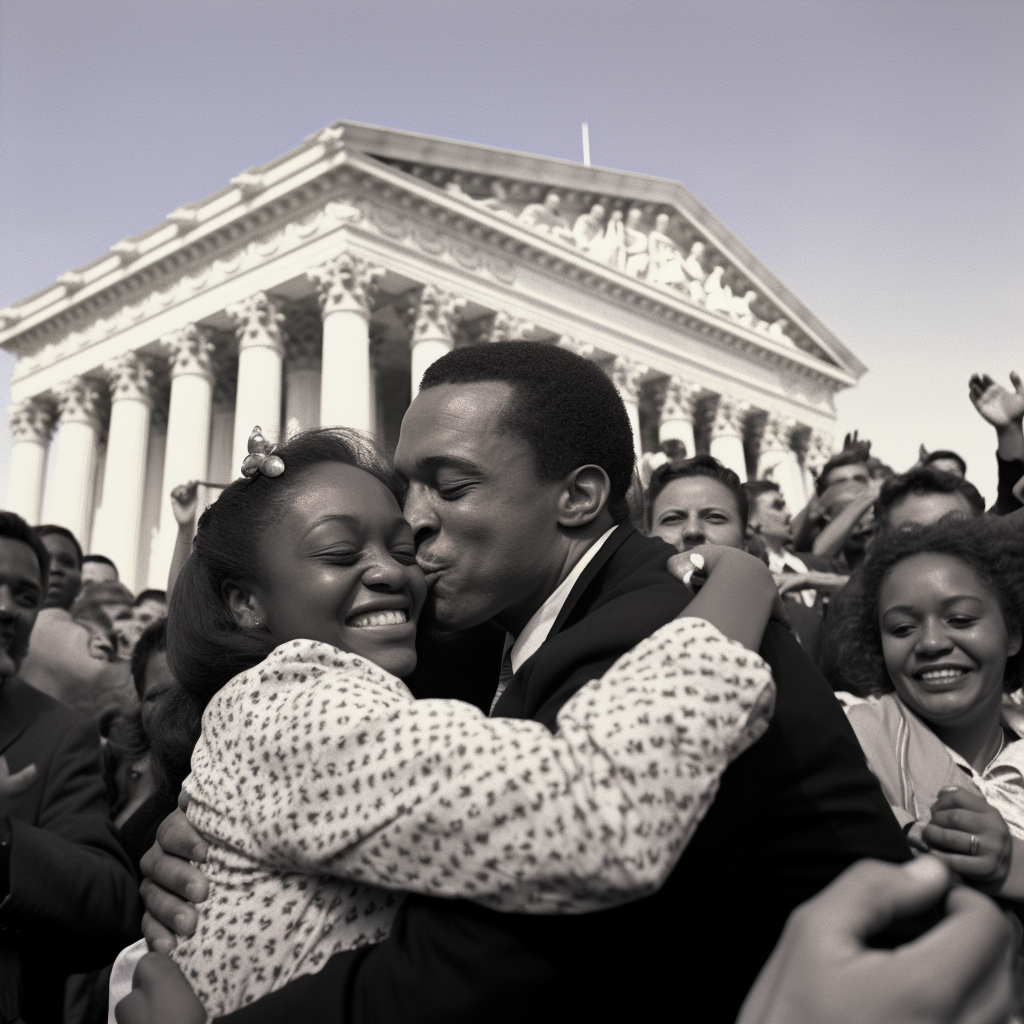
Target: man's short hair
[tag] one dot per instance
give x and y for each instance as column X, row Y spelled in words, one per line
column 14, row 527
column 45, row 531
column 99, row 558
column 153, row 639
column 847, row 457
column 699, row 465
column 151, row 595
column 755, row 488
column 563, row 406
column 925, row 480
column 945, row 453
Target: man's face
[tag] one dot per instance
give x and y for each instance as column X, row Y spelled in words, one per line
column 65, row 572
column 98, row 572
column 922, row 509
column 149, row 611
column 487, row 532
column 770, row 517
column 845, row 483
column 21, row 597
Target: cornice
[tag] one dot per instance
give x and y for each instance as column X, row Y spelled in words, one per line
column 317, row 189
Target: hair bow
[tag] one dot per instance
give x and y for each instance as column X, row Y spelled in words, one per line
column 261, row 458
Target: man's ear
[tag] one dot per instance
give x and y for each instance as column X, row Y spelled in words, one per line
column 244, row 605
column 585, row 492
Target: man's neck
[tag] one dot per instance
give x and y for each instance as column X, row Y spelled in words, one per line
column 776, row 545
column 576, row 544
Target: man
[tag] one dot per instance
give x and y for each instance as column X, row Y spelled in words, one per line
column 518, row 458
column 69, row 897
column 924, row 495
column 797, row 575
column 99, row 569
column 149, row 606
column 68, row 660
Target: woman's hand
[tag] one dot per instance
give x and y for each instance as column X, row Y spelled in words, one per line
column 971, row 837
column 160, row 995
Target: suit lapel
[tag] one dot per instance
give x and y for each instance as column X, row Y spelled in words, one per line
column 597, row 563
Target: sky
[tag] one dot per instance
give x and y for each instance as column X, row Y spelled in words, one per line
column 869, row 153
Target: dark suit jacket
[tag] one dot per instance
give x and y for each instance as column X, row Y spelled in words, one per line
column 791, row 814
column 73, row 902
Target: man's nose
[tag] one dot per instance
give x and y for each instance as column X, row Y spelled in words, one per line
column 419, row 512
column 8, row 607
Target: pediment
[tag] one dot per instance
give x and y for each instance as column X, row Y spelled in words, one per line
column 514, row 186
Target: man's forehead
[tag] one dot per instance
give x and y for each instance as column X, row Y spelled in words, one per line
column 456, row 421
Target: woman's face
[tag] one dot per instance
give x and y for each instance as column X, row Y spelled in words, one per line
column 944, row 640
column 694, row 510
column 340, row 568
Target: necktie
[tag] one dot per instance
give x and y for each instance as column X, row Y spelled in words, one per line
column 504, row 678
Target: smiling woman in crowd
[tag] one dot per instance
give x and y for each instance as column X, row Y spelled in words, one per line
column 935, row 641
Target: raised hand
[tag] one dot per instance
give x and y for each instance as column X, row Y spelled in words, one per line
column 183, row 503
column 1000, row 406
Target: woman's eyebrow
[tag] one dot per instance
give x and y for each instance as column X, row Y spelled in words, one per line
column 333, row 517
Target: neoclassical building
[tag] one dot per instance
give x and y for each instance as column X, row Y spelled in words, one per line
column 317, row 288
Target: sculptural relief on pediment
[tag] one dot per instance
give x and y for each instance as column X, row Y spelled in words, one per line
column 646, row 241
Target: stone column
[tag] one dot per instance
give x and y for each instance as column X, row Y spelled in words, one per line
column 302, row 373
column 433, row 333
column 260, row 358
column 118, row 529
column 74, row 474
column 627, row 375
column 187, row 452
column 778, row 461
column 345, row 286
column 727, row 435
column 819, row 451
column 675, row 419
column 31, row 430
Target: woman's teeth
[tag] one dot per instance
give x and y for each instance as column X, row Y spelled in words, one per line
column 389, row 618
column 932, row 675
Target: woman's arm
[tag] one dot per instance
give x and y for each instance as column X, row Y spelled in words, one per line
column 431, row 796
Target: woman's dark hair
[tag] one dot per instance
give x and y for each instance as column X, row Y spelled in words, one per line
column 699, row 465
column 992, row 548
column 14, row 527
column 153, row 639
column 205, row 646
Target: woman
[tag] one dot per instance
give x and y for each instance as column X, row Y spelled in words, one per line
column 935, row 641
column 292, row 622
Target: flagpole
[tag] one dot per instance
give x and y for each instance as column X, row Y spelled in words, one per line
column 586, row 144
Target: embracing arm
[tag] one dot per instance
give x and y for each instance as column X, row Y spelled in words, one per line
column 451, row 803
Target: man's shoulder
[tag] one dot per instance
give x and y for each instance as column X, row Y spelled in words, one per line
column 23, row 706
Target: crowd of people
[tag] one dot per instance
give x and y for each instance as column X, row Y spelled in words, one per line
column 507, row 727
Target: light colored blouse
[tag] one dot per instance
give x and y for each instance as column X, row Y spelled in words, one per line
column 326, row 791
column 912, row 764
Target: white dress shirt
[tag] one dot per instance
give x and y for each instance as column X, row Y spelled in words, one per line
column 535, row 632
